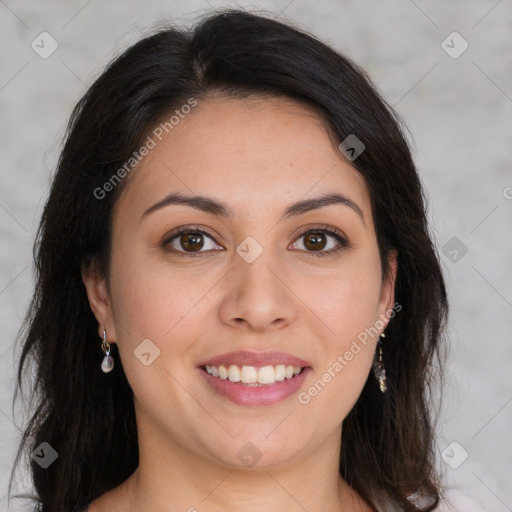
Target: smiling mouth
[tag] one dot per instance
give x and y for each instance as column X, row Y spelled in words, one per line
column 252, row 375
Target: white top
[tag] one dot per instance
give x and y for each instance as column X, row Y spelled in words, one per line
column 454, row 502
column 457, row 502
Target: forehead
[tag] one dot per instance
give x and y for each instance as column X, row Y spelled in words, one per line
column 253, row 153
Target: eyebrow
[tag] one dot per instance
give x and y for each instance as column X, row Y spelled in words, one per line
column 214, row 207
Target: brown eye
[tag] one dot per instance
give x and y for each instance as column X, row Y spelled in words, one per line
column 190, row 241
column 314, row 241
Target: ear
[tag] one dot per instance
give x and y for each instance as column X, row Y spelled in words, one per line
column 387, row 290
column 99, row 300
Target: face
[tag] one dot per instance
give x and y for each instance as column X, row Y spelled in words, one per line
column 273, row 284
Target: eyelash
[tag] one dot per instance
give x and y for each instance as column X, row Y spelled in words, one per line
column 343, row 244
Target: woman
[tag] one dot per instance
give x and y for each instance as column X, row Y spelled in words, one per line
column 238, row 303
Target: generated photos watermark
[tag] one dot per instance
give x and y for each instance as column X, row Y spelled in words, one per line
column 150, row 143
column 344, row 359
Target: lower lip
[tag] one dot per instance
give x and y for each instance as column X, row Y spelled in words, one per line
column 268, row 394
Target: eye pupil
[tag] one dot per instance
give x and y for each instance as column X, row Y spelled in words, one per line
column 192, row 241
column 314, row 241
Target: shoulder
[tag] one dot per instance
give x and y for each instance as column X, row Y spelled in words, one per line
column 451, row 501
column 455, row 501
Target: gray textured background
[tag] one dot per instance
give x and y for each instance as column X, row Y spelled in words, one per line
column 459, row 111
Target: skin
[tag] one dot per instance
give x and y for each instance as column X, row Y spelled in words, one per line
column 257, row 155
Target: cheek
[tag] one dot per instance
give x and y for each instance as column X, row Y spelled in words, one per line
column 349, row 309
column 347, row 299
column 334, row 391
column 151, row 296
column 347, row 303
column 161, row 306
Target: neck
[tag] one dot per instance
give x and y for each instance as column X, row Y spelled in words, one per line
column 178, row 479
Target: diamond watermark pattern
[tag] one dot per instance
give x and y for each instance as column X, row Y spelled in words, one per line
column 249, row 454
column 454, row 249
column 44, row 455
column 44, row 45
column 249, row 249
column 454, row 455
column 351, row 147
column 454, row 45
column 147, row 352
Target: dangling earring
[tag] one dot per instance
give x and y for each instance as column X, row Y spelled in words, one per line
column 108, row 362
column 378, row 367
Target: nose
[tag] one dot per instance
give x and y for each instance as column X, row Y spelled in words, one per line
column 257, row 297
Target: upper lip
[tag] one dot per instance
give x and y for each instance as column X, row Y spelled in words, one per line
column 244, row 357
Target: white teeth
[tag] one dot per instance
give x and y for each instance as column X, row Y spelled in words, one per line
column 252, row 375
column 266, row 375
column 280, row 372
column 248, row 374
column 234, row 373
